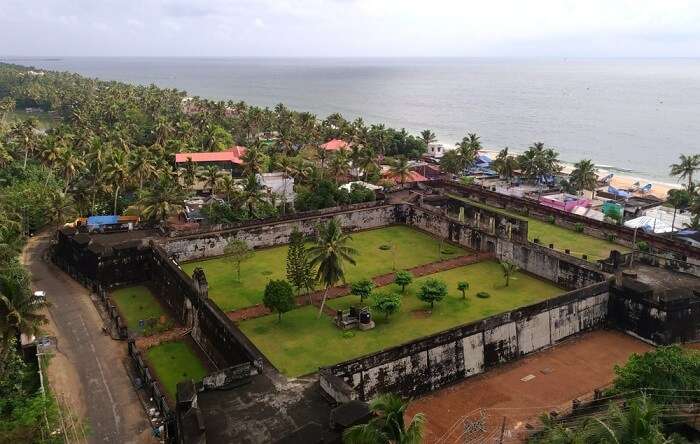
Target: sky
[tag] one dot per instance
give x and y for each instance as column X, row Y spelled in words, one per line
column 351, row 28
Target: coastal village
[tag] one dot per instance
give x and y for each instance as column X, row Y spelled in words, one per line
column 181, row 270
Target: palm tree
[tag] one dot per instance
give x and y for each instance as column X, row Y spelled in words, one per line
column 505, row 164
column 428, row 137
column 61, row 208
column 468, row 149
column 229, row 187
column 211, row 174
column 388, row 426
column 252, row 195
column 161, row 201
column 401, row 169
column 24, row 133
column 70, row 163
column 340, row 164
column 189, row 173
column 117, row 170
column 679, row 199
column 254, row 158
column 583, row 176
column 18, row 311
column 686, row 167
column 141, row 165
column 330, row 254
column 509, row 270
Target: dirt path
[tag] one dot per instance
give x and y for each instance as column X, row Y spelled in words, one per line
column 256, row 311
column 87, row 369
column 552, row 379
column 146, row 342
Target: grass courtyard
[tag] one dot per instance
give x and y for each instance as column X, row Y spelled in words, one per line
column 409, row 248
column 563, row 239
column 174, row 361
column 301, row 343
column 137, row 303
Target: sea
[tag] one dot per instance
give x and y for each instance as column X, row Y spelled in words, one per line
column 634, row 116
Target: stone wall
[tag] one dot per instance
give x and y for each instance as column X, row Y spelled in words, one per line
column 435, row 361
column 266, row 234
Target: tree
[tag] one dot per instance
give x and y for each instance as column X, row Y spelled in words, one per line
column 669, row 369
column 141, row 165
column 162, row 200
column 505, row 164
column 362, row 288
column 61, row 207
column 537, row 162
column 211, row 175
column 463, row 287
column 70, row 163
column 117, row 170
column 189, row 173
column 254, row 158
column 298, row 265
column 388, row 426
column 686, row 167
column 433, row 290
column 25, row 134
column 279, row 297
column 428, row 137
column 19, row 309
column 679, row 199
column 401, row 169
column 387, row 303
column 509, row 270
column 403, row 278
column 330, row 254
column 450, row 163
column 583, row 176
column 238, row 251
column 467, row 150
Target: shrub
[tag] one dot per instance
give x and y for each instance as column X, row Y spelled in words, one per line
column 578, row 227
column 385, row 247
column 279, row 297
column 643, row 246
column 611, row 237
column 463, row 286
column 551, row 219
column 483, row 295
column 362, row 288
column 387, row 303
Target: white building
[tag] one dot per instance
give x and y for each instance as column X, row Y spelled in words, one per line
column 279, row 184
column 438, row 149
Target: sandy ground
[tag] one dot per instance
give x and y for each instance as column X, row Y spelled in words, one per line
column 86, row 371
column 476, row 409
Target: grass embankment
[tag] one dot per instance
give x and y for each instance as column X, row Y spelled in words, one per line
column 408, row 248
column 137, row 303
column 173, row 362
column 577, row 243
column 301, row 343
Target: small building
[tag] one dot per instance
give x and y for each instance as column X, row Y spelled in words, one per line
column 413, row 176
column 438, row 149
column 230, row 160
column 335, row 145
column 279, row 184
column 564, row 201
column 369, row 186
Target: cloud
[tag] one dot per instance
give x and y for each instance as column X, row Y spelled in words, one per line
column 353, row 27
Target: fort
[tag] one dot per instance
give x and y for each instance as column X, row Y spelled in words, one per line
column 245, row 397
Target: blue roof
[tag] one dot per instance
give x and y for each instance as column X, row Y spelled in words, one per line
column 102, row 220
column 483, row 159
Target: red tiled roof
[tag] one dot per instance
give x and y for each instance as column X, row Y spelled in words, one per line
column 413, row 176
column 232, row 154
column 334, row 145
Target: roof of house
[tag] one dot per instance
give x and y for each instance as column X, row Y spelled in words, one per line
column 233, row 154
column 413, row 176
column 334, row 145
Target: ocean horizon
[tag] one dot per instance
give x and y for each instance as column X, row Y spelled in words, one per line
column 633, row 115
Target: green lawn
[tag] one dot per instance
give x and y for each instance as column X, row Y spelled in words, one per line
column 577, row 243
column 301, row 343
column 174, row 361
column 409, row 248
column 136, row 303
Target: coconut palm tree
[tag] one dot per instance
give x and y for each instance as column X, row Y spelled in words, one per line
column 61, row 207
column 686, row 167
column 18, row 311
column 252, row 195
column 428, row 137
column 340, row 164
column 210, row 174
column 164, row 199
column 70, row 164
column 141, row 165
column 330, row 254
column 25, row 135
column 583, row 176
column 388, row 426
column 505, row 164
column 679, row 199
column 117, row 171
column 401, row 169
column 188, row 172
column 254, row 158
column 468, row 149
column 229, row 187
column 509, row 270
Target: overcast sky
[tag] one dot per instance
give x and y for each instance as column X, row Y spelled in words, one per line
column 573, row 28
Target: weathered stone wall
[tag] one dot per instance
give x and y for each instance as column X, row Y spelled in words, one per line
column 268, row 234
column 435, row 361
column 671, row 319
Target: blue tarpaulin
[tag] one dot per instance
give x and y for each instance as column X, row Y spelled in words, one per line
column 102, row 220
column 616, row 192
column 483, row 160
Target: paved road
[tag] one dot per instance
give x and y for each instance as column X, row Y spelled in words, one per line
column 88, row 369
